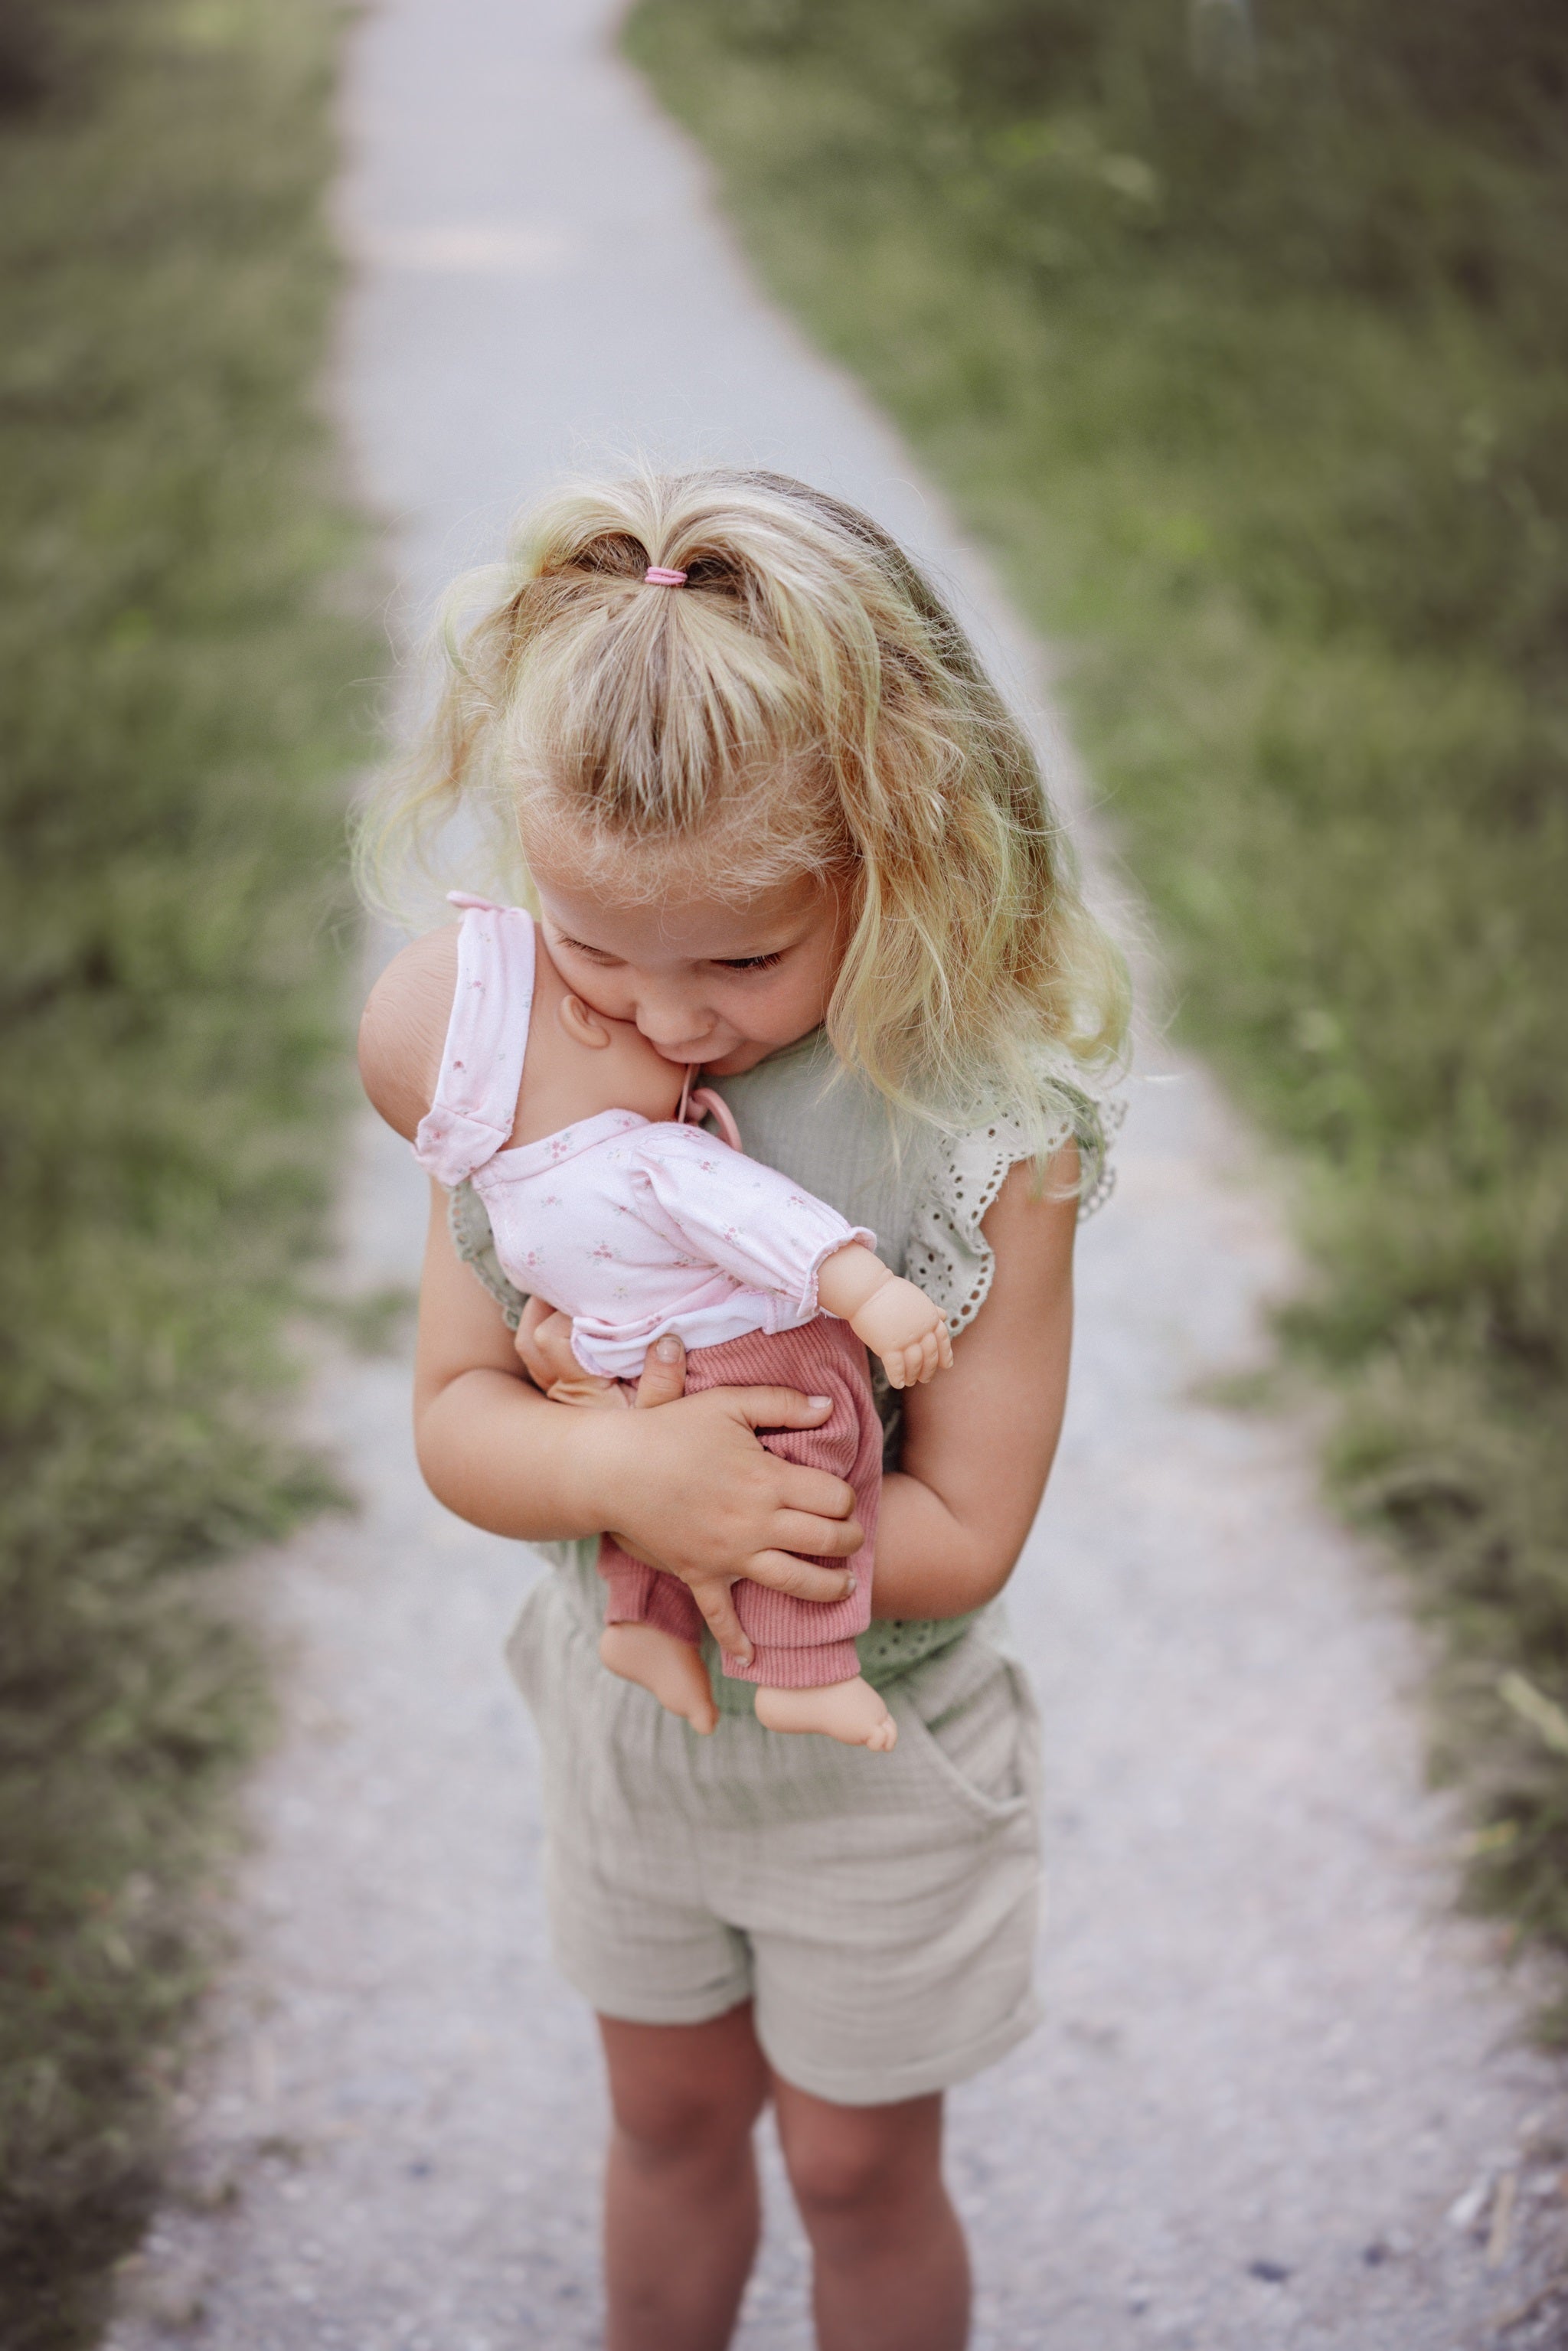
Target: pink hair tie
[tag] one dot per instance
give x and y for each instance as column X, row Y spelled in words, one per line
column 657, row 577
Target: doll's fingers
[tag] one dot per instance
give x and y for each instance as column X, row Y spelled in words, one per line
column 525, row 1341
column 544, row 1345
column 943, row 1347
column 784, row 1572
column 713, row 1596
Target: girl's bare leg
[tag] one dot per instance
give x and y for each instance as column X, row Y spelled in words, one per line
column 892, row 2268
column 682, row 2213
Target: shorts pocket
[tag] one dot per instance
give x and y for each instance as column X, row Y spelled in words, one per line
column 975, row 1727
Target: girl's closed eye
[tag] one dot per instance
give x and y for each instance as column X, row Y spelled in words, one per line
column 750, row 962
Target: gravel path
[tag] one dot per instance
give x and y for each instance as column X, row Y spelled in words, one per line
column 1274, row 2063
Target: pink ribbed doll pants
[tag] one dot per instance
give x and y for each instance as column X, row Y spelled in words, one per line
column 798, row 1644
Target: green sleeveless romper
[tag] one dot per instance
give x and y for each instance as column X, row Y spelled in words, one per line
column 880, row 1910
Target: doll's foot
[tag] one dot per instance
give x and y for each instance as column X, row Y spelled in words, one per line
column 672, row 1670
column 851, row 1712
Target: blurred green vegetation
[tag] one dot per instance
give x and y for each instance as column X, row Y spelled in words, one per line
column 1244, row 339
column 182, row 623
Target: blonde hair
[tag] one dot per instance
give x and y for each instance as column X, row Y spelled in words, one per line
column 804, row 704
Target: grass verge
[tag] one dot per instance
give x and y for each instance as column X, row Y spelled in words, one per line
column 1245, row 343
column 179, row 634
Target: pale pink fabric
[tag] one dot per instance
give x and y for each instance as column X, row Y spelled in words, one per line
column 632, row 1229
column 797, row 1643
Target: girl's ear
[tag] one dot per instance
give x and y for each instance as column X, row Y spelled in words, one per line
column 583, row 1027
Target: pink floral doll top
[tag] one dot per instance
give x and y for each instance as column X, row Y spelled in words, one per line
column 633, row 1228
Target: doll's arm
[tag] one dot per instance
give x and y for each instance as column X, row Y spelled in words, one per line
column 895, row 1319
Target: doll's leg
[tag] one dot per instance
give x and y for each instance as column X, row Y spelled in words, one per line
column 636, row 1594
column 804, row 1660
column 652, row 1631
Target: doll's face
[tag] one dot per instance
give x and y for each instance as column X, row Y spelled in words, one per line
column 702, row 979
column 610, row 1064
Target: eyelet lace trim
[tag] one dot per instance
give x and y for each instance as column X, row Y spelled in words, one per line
column 949, row 1254
column 468, row 1222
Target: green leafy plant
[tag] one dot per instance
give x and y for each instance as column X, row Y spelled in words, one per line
column 179, row 637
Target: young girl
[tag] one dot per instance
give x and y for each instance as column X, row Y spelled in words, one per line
column 780, row 821
column 606, row 1201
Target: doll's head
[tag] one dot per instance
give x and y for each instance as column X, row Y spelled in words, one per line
column 578, row 1063
column 800, row 725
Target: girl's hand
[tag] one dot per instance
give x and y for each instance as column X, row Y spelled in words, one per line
column 689, row 1489
column 544, row 1346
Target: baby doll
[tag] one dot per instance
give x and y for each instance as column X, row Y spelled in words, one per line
column 634, row 1225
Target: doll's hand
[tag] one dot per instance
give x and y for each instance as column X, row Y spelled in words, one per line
column 896, row 1321
column 544, row 1349
column 899, row 1323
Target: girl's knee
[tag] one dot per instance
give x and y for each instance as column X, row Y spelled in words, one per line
column 683, row 2094
column 847, row 2161
column 663, row 2127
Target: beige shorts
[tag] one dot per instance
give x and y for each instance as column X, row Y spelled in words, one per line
column 879, row 1909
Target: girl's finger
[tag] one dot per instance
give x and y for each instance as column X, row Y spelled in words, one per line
column 785, row 1572
column 713, row 1596
column 776, row 1407
column 815, row 1493
column 817, row 1538
column 664, row 1374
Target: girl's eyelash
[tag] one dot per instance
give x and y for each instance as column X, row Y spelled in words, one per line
column 725, row 963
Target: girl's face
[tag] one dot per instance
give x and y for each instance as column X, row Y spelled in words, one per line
column 723, row 983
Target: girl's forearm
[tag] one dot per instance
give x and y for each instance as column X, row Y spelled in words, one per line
column 500, row 1455
column 929, row 1562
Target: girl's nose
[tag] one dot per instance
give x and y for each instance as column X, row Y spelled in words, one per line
column 679, row 1032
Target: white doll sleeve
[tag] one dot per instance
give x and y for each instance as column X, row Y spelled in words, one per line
column 724, row 1209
